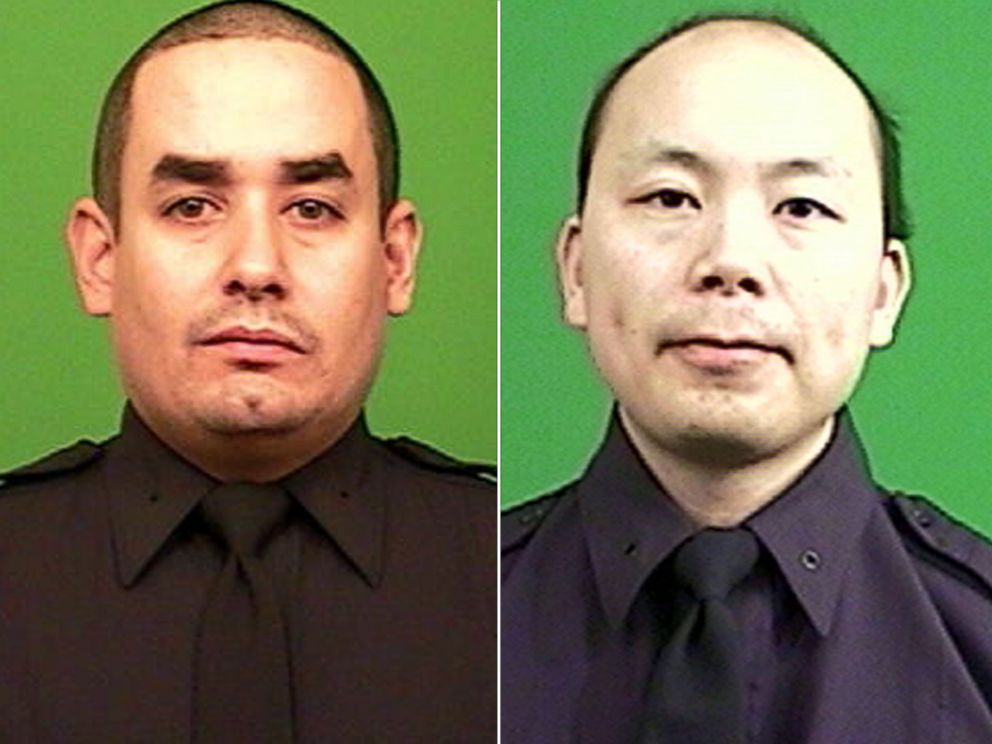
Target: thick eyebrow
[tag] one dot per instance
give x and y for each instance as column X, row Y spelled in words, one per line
column 329, row 167
column 191, row 170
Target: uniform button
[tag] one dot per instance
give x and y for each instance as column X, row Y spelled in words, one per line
column 922, row 518
column 810, row 559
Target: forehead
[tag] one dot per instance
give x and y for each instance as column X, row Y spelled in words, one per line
column 248, row 99
column 741, row 91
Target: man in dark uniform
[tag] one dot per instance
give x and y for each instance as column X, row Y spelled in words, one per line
column 245, row 562
column 726, row 570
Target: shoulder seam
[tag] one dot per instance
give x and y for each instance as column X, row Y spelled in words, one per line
column 941, row 534
column 61, row 462
column 520, row 521
column 434, row 460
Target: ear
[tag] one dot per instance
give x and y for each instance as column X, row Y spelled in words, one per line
column 91, row 241
column 893, row 288
column 568, row 256
column 401, row 246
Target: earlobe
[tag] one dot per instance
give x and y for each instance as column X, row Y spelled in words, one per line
column 402, row 234
column 893, row 289
column 91, row 241
column 568, row 256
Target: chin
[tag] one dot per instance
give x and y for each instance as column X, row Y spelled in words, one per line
column 723, row 433
column 743, row 438
column 726, row 445
column 251, row 410
column 241, row 420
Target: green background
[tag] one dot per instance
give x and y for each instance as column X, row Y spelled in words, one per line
column 924, row 407
column 437, row 62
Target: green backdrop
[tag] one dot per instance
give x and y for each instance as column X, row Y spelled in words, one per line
column 924, row 407
column 437, row 62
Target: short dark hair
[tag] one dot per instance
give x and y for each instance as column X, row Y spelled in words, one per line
column 896, row 213
column 235, row 19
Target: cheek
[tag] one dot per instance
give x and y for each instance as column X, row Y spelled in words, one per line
column 851, row 318
column 160, row 287
column 155, row 297
column 618, row 319
column 837, row 331
column 623, row 284
column 343, row 298
column 616, row 303
column 836, row 319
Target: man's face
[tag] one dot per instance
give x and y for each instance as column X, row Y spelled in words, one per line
column 251, row 274
column 729, row 265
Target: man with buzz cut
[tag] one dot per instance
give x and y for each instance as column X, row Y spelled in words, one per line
column 245, row 562
column 725, row 570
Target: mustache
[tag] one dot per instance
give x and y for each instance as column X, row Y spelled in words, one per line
column 741, row 327
column 252, row 318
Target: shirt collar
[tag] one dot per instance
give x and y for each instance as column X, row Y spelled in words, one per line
column 811, row 529
column 342, row 490
column 153, row 489
column 631, row 525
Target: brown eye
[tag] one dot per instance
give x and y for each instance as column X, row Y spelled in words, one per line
column 671, row 199
column 189, row 209
column 802, row 208
column 311, row 210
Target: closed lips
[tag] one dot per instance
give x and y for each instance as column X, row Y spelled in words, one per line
column 262, row 338
column 736, row 343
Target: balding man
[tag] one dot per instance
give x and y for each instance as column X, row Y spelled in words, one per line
column 726, row 570
column 245, row 562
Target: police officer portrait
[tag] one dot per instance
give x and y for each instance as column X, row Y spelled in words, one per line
column 752, row 552
column 228, row 553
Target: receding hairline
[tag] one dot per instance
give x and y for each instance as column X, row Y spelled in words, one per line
column 744, row 27
column 885, row 128
column 155, row 56
column 156, row 50
column 240, row 19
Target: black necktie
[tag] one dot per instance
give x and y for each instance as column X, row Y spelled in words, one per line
column 242, row 689
column 696, row 694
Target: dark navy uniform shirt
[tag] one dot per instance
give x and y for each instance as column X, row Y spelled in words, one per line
column 387, row 574
column 868, row 619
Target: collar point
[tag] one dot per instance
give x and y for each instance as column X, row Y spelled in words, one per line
column 129, row 574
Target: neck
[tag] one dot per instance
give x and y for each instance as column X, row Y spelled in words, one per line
column 715, row 494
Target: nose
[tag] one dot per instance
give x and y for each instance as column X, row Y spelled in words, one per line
column 255, row 264
column 734, row 257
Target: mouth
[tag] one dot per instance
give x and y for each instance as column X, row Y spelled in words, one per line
column 721, row 351
column 259, row 345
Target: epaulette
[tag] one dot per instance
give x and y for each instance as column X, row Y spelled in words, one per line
column 66, row 460
column 947, row 539
column 432, row 459
column 519, row 522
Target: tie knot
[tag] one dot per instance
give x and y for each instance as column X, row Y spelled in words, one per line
column 712, row 562
column 243, row 515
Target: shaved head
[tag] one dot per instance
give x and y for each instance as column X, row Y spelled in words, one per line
column 720, row 27
column 238, row 20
